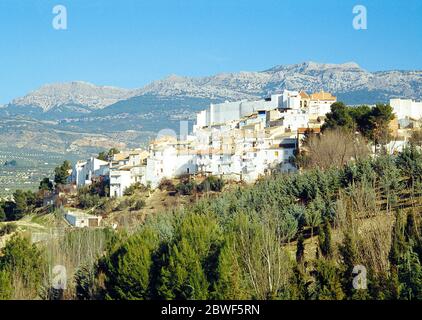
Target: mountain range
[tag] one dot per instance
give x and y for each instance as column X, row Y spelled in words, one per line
column 61, row 114
column 351, row 83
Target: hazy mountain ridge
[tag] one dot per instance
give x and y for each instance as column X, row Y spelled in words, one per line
column 76, row 94
column 341, row 79
column 348, row 81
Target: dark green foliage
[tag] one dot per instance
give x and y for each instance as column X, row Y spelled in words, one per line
column 24, row 260
column 2, row 213
column 211, row 183
column 349, row 255
column 87, row 200
column 188, row 273
column 46, row 185
column 128, row 269
column 139, row 204
column 339, row 117
column 100, row 187
column 372, row 123
column 24, row 202
column 410, row 275
column 84, row 279
column 6, row 290
column 106, row 156
column 327, row 284
column 232, row 246
column 300, row 249
column 186, row 188
column 409, row 161
column 230, row 283
column 61, row 173
column 133, row 188
column 324, row 240
column 8, row 229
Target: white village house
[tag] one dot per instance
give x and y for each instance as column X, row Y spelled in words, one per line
column 82, row 220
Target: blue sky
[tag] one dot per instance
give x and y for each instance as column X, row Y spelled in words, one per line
column 130, row 43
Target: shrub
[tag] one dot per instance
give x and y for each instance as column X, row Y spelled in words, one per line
column 24, row 261
column 139, row 204
column 167, row 185
column 186, row 188
column 6, row 289
column 133, row 188
column 125, row 203
column 89, row 200
column 211, row 183
column 8, row 229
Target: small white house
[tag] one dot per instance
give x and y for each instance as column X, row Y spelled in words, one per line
column 84, row 172
column 82, row 220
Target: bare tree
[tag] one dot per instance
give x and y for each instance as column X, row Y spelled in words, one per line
column 333, row 148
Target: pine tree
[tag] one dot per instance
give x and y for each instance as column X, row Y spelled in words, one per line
column 398, row 241
column 2, row 213
column 24, row 261
column 6, row 289
column 128, row 268
column 298, row 288
column 300, row 249
column 324, row 240
column 230, row 284
column 348, row 252
column 189, row 271
column 327, row 284
column 411, row 230
column 410, row 276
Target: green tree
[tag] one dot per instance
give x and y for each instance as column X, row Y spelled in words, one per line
column 361, row 117
column 45, row 185
column 327, row 285
column 106, row 156
column 324, row 240
column 380, row 118
column 300, row 249
column 25, row 262
column 128, row 269
column 410, row 275
column 313, row 214
column 6, row 289
column 61, row 173
column 23, row 202
column 349, row 255
column 339, row 117
column 191, row 261
column 230, row 283
column 409, row 162
column 2, row 213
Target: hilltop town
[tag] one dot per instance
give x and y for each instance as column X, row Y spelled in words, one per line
column 235, row 141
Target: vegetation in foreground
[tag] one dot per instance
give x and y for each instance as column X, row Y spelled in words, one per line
column 299, row 236
column 286, row 237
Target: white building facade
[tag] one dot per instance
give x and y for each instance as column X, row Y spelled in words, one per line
column 407, row 108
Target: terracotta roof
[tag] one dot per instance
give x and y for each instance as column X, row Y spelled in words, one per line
column 312, row 130
column 323, row 96
column 304, row 95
